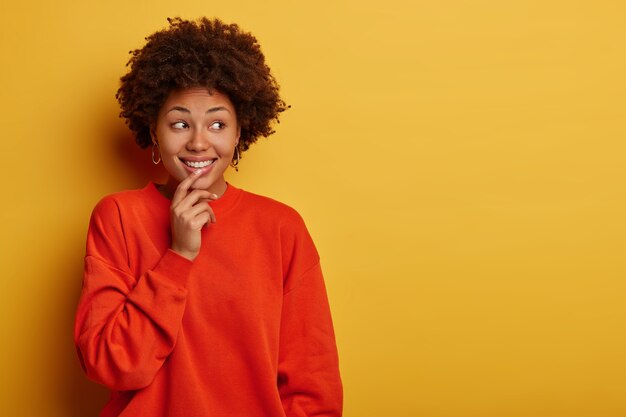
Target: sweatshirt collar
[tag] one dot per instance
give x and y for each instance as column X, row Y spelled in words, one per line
column 223, row 204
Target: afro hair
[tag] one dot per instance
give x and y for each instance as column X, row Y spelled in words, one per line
column 204, row 53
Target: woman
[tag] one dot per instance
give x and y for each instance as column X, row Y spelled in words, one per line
column 201, row 299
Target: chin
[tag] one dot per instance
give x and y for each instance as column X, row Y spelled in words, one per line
column 203, row 184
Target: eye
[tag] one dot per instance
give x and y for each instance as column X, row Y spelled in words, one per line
column 217, row 126
column 180, row 125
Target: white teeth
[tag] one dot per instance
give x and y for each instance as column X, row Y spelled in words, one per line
column 199, row 164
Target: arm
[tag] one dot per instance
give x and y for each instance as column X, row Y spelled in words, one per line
column 126, row 325
column 308, row 371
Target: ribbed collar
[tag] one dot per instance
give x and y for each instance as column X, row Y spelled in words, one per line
column 227, row 201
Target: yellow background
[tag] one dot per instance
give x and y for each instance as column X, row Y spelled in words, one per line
column 460, row 164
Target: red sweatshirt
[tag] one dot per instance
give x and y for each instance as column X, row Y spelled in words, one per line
column 242, row 331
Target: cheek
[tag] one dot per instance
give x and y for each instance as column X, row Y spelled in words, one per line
column 170, row 146
column 225, row 151
column 168, row 150
column 227, row 147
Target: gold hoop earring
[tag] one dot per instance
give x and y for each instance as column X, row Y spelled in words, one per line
column 154, row 160
column 235, row 162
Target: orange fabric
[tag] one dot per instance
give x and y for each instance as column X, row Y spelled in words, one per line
column 244, row 330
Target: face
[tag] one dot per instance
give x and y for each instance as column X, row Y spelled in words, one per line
column 197, row 129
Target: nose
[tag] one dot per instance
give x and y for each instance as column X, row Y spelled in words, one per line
column 199, row 141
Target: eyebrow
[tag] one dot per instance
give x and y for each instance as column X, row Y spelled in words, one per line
column 211, row 110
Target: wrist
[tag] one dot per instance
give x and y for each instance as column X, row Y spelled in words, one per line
column 185, row 253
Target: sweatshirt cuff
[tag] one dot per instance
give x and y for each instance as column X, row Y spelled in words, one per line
column 174, row 267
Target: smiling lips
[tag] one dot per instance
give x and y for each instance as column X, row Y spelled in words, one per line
column 199, row 164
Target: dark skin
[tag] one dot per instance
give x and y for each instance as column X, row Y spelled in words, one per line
column 189, row 213
column 196, row 127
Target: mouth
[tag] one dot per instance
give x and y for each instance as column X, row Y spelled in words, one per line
column 198, row 164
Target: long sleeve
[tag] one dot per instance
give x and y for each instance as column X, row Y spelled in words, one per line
column 126, row 323
column 243, row 330
column 309, row 382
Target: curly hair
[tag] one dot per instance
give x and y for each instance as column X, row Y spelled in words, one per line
column 206, row 53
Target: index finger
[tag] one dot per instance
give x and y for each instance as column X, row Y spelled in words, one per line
column 183, row 187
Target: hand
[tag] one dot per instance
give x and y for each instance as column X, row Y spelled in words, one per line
column 189, row 213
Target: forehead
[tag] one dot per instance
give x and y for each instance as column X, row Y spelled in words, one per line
column 197, row 98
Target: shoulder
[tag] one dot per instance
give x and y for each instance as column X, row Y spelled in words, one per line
column 281, row 221
column 281, row 212
column 284, row 220
column 113, row 204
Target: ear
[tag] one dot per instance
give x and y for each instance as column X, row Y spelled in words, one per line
column 238, row 135
column 153, row 135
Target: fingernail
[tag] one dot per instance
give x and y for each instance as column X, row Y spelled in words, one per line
column 198, row 171
column 214, row 195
